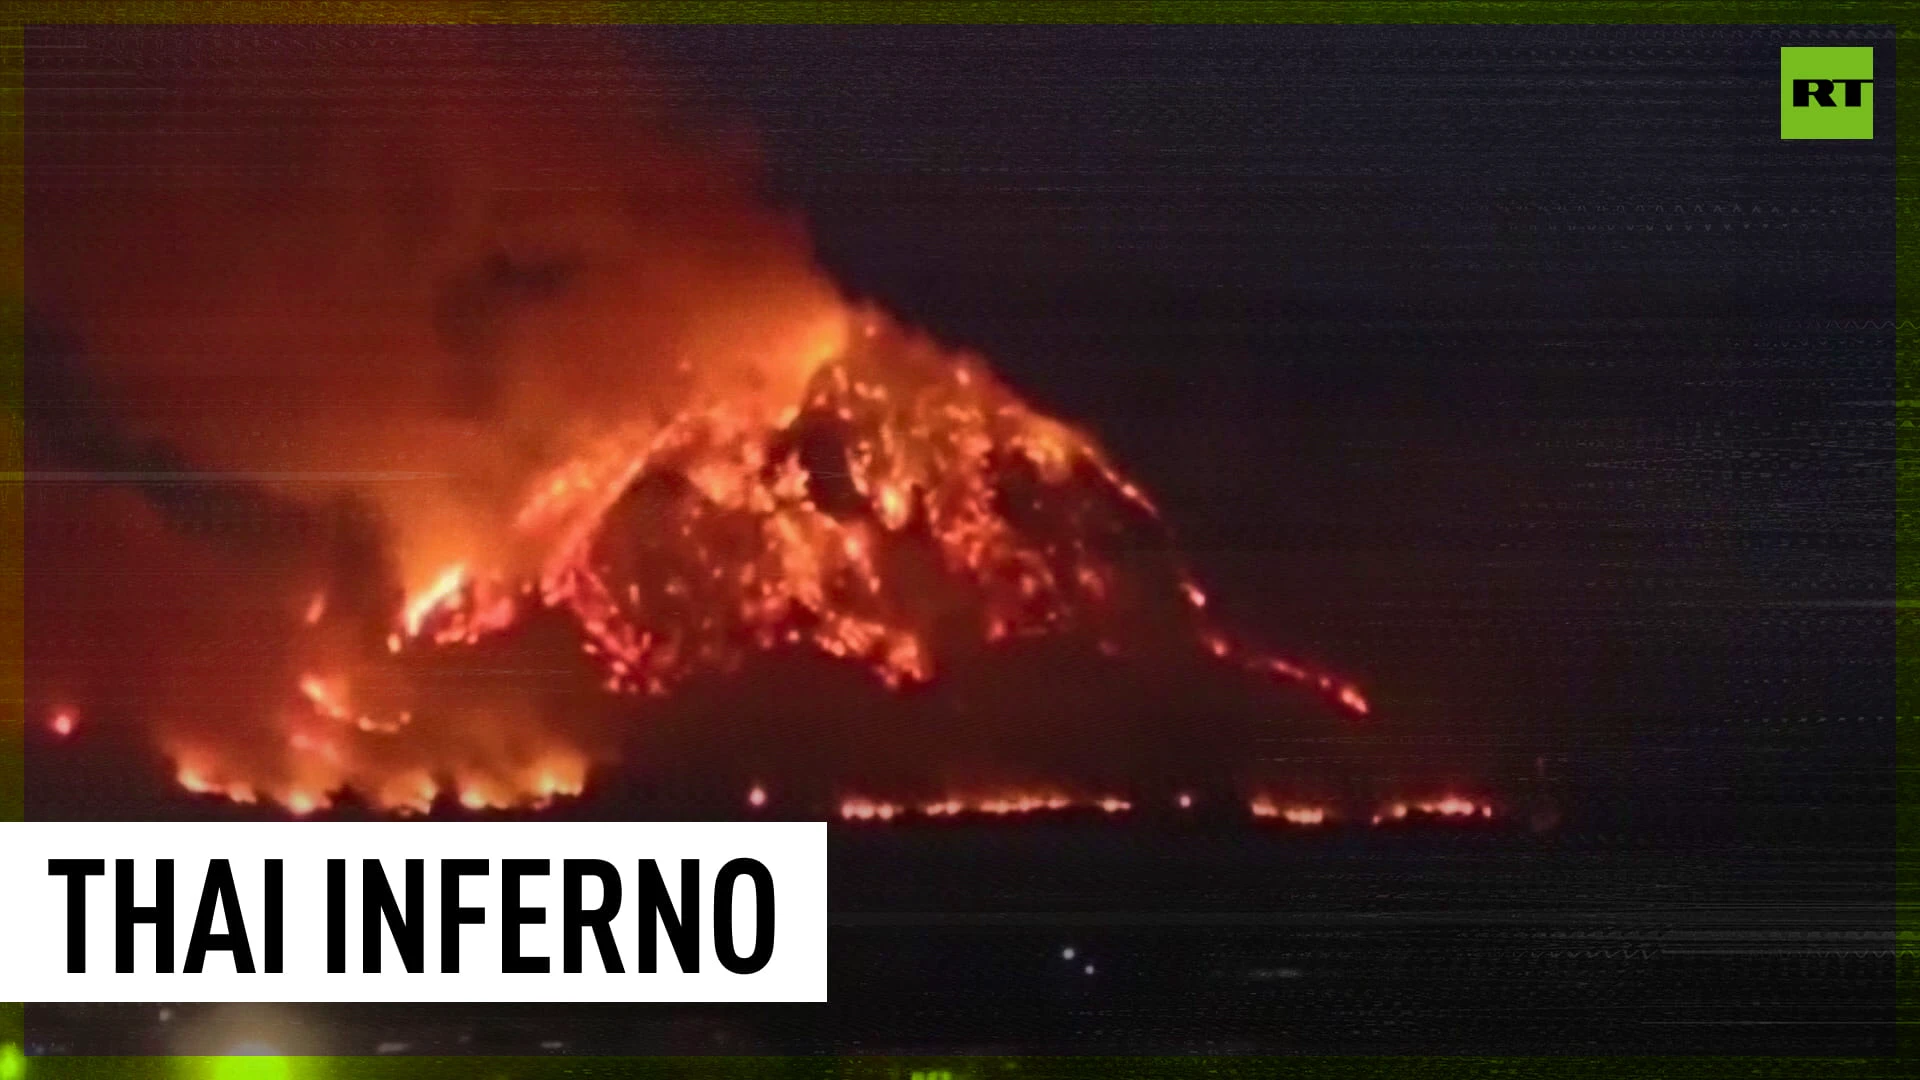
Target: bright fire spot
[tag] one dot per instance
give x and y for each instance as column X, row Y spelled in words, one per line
column 556, row 775
column 63, row 722
column 478, row 796
column 411, row 794
column 869, row 810
column 328, row 696
column 998, row 806
column 445, row 589
column 1021, row 804
column 195, row 781
column 1294, row 814
column 316, row 609
column 1449, row 806
column 757, row 798
column 1185, row 801
column 1351, row 698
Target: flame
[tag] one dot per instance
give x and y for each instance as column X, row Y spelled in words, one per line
column 445, row 590
column 755, row 552
column 1261, row 808
column 1004, row 805
column 1307, row 814
column 624, row 398
column 868, row 810
column 1446, row 806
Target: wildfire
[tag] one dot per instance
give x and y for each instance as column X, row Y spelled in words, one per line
column 1449, row 806
column 192, row 779
column 444, row 590
column 868, row 810
column 682, row 548
column 1260, row 809
column 615, row 406
column 1012, row 804
column 1264, row 808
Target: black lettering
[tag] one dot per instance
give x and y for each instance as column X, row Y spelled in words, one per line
column 276, row 915
column 514, row 916
column 1808, row 91
column 336, row 916
column 126, row 915
column 683, row 927
column 452, row 915
column 76, row 871
column 762, row 918
column 576, row 918
column 377, row 903
column 219, row 888
column 1853, row 86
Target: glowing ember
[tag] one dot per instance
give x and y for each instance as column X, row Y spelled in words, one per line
column 868, row 810
column 1185, row 801
column 195, row 781
column 1449, row 806
column 998, row 806
column 63, row 722
column 1022, row 804
column 1350, row 697
column 444, row 590
column 1296, row 814
column 757, row 798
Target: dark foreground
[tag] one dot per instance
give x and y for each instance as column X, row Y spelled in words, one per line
column 1482, row 941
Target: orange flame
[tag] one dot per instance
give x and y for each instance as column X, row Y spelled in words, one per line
column 1265, row 808
column 622, row 392
column 921, row 432
column 1447, row 806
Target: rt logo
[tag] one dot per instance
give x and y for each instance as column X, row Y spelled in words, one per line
column 1826, row 93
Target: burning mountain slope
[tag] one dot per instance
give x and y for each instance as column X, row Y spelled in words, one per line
column 426, row 399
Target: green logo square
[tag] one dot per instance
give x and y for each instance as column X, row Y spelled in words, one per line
column 1826, row 93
